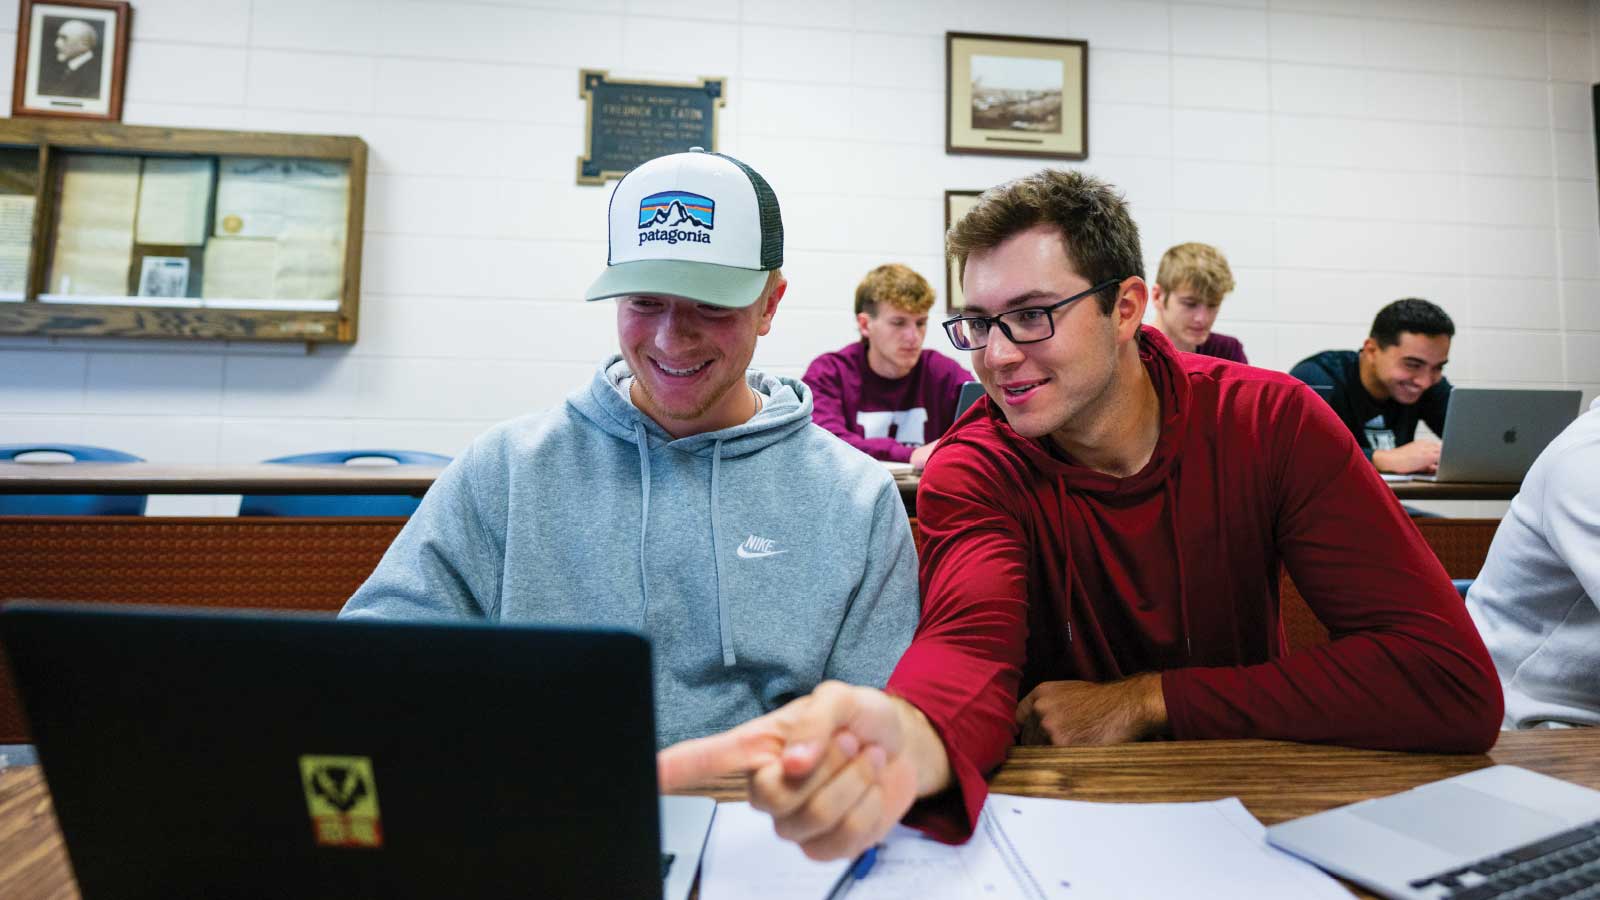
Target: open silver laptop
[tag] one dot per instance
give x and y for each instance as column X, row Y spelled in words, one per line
column 1495, row 435
column 1488, row 833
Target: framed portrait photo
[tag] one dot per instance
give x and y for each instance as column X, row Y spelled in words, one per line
column 72, row 58
column 956, row 205
column 1016, row 96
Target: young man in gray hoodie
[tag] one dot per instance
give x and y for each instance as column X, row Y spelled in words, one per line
column 680, row 493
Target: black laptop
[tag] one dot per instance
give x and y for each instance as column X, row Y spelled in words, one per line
column 207, row 754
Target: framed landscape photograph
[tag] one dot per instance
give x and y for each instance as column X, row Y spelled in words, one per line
column 1016, row 96
column 956, row 205
column 72, row 59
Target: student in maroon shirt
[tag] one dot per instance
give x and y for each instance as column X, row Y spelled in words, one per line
column 1103, row 539
column 884, row 394
column 1190, row 285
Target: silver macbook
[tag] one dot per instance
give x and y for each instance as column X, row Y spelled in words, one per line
column 1495, row 435
column 1500, row 831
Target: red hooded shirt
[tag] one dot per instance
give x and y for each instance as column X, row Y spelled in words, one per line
column 1036, row 569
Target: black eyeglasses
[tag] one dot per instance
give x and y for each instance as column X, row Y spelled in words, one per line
column 1027, row 325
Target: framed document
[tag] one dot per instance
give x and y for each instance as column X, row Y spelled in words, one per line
column 629, row 122
column 1016, row 96
column 72, row 59
column 956, row 205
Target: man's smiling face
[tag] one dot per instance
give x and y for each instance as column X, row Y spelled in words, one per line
column 1041, row 387
column 689, row 359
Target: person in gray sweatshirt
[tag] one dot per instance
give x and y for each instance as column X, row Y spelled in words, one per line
column 680, row 493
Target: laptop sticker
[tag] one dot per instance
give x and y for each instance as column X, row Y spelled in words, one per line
column 342, row 798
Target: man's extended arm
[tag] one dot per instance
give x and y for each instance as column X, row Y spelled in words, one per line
column 964, row 667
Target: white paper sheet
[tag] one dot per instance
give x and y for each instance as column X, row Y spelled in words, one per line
column 745, row 859
column 239, row 269
column 94, row 237
column 1030, row 848
column 1193, row 850
column 300, row 204
column 173, row 196
column 309, row 269
column 16, row 236
column 281, row 198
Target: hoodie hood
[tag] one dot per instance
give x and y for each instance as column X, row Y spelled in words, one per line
column 1160, row 360
column 1086, row 488
column 786, row 408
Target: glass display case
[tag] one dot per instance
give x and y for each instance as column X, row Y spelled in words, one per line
column 130, row 231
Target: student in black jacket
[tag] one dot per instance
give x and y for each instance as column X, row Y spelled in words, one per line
column 1394, row 380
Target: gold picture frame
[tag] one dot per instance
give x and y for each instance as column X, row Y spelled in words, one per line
column 956, row 205
column 1007, row 95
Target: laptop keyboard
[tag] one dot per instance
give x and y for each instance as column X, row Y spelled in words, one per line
column 1564, row 865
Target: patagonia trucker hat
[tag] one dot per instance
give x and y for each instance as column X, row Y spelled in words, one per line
column 697, row 225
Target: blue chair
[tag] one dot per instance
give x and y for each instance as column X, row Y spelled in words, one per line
column 1462, row 586
column 70, row 504
column 340, row 504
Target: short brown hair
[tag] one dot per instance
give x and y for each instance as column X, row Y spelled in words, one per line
column 1199, row 267
column 897, row 285
column 1098, row 234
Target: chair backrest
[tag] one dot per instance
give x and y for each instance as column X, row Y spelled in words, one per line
column 70, row 504
column 340, row 504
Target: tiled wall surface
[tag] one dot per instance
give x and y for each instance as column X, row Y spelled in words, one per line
column 1342, row 152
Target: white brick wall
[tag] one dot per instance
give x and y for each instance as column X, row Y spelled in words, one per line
column 1342, row 152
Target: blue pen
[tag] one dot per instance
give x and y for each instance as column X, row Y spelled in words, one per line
column 854, row 873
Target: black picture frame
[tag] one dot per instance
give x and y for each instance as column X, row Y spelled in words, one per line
column 1010, row 95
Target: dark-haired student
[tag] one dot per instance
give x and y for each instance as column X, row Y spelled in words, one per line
column 1394, row 381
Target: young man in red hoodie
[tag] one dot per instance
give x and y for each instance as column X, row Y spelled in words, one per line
column 1103, row 538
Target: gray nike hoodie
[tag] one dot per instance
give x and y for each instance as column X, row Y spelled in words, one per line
column 760, row 559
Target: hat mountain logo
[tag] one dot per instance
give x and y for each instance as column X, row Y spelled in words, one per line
column 662, row 217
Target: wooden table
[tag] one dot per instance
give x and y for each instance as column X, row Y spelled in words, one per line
column 264, row 478
column 1455, row 490
column 1276, row 781
column 258, row 478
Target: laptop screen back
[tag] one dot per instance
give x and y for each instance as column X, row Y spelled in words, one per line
column 970, row 392
column 272, row 756
column 1495, row 435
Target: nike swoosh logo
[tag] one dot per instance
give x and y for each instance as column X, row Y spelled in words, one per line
column 749, row 554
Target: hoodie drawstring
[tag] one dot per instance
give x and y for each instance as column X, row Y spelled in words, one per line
column 643, row 441
column 724, row 622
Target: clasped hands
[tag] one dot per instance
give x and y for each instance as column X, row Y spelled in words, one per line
column 838, row 768
column 835, row 770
